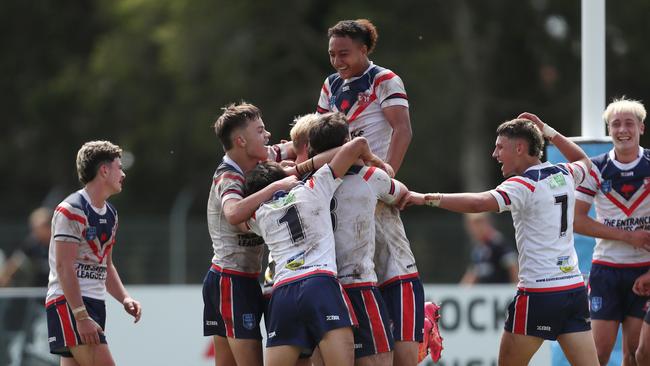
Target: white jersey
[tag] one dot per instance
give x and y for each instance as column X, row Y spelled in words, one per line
column 76, row 222
column 353, row 211
column 620, row 192
column 297, row 228
column 361, row 99
column 542, row 201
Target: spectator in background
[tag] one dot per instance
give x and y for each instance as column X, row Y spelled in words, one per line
column 28, row 265
column 493, row 260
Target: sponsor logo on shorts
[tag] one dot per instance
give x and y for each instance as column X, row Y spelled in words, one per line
column 248, row 321
column 332, row 317
column 51, row 339
column 271, row 335
column 211, row 322
column 545, row 328
column 358, row 345
column 596, row 303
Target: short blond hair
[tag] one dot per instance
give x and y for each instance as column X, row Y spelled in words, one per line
column 623, row 105
column 300, row 129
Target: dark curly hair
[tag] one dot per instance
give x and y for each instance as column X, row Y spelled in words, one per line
column 360, row 30
column 262, row 175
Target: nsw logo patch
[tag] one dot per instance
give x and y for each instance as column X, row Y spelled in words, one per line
column 596, row 303
column 248, row 320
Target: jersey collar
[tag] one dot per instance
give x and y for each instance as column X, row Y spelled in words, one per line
column 625, row 166
column 360, row 76
column 229, row 161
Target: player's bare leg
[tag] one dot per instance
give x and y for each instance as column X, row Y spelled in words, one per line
column 222, row 354
column 604, row 332
column 379, row 359
column 406, row 353
column 92, row 355
column 579, row 348
column 643, row 351
column 316, row 358
column 517, row 349
column 631, row 332
column 282, row 355
column 307, row 362
column 337, row 347
column 246, row 351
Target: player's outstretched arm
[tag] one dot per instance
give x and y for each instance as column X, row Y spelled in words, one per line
column 239, row 210
column 456, row 202
column 569, row 149
column 586, row 225
column 116, row 288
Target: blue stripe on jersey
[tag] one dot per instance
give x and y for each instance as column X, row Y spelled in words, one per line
column 625, row 182
column 539, row 174
column 345, row 96
column 97, row 226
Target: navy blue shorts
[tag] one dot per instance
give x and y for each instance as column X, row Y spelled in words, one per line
column 610, row 293
column 373, row 335
column 62, row 328
column 405, row 303
column 548, row 314
column 301, row 312
column 232, row 305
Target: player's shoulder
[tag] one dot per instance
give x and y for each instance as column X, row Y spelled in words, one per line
column 73, row 207
column 75, row 200
column 646, row 154
column 227, row 171
column 600, row 160
column 544, row 171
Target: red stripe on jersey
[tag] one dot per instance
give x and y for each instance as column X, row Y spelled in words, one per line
column 233, row 272
column 327, row 92
column 586, row 191
column 552, row 289
column 310, row 182
column 399, row 278
column 69, row 338
column 521, row 315
column 408, row 312
column 593, row 174
column 583, row 172
column 229, row 176
column 383, row 78
column 348, row 304
column 570, row 170
column 278, row 153
column 359, row 284
column 70, row 215
column 518, row 180
column 226, row 305
column 379, row 336
column 505, row 197
column 321, row 110
column 628, row 211
column 53, row 301
column 621, row 265
column 360, row 109
column 397, row 95
column 392, row 187
column 369, row 173
column 302, row 276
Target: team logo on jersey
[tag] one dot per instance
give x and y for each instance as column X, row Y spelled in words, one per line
column 556, row 181
column 296, row 261
column 363, row 99
column 596, row 303
column 91, row 233
column 248, row 321
column 606, row 186
column 564, row 264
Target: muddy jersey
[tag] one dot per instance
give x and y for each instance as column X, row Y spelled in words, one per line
column 542, row 202
column 353, row 218
column 620, row 192
column 234, row 251
column 361, row 99
column 76, row 222
column 297, row 228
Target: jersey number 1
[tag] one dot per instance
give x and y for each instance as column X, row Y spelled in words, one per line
column 562, row 201
column 292, row 218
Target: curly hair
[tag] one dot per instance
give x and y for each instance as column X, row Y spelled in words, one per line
column 526, row 130
column 92, row 155
column 361, row 30
column 262, row 175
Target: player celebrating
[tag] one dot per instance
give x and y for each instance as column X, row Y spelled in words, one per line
column 308, row 306
column 551, row 301
column 232, row 297
column 81, row 261
column 374, row 100
column 352, row 210
column 618, row 185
